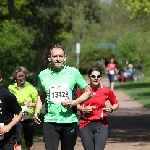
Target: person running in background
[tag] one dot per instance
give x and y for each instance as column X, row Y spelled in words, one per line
column 111, row 69
column 93, row 121
column 10, row 115
column 26, row 95
column 55, row 87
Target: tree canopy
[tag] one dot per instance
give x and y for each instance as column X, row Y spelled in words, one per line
column 30, row 28
column 137, row 7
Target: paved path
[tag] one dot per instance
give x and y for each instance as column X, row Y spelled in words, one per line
column 129, row 126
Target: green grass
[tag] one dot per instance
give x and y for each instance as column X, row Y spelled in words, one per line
column 139, row 90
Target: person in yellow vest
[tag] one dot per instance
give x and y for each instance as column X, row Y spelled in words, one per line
column 26, row 95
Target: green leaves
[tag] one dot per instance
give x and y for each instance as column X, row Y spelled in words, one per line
column 15, row 46
column 137, row 7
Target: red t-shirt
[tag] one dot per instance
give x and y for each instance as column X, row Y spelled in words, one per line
column 111, row 68
column 98, row 99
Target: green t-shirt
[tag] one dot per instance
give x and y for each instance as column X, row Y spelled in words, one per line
column 56, row 86
column 28, row 92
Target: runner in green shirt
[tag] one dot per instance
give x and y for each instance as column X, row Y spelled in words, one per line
column 55, row 86
column 26, row 95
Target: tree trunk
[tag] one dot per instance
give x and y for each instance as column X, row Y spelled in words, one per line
column 11, row 9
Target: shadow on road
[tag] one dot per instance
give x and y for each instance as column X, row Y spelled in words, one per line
column 129, row 128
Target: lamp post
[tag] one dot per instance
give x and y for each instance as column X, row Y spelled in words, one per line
column 78, row 55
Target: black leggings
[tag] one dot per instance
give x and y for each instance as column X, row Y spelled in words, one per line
column 9, row 142
column 94, row 136
column 65, row 132
column 29, row 128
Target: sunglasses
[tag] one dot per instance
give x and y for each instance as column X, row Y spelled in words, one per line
column 95, row 76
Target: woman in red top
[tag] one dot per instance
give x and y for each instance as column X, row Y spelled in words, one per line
column 111, row 68
column 93, row 124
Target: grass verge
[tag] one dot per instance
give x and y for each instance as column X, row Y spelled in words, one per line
column 139, row 90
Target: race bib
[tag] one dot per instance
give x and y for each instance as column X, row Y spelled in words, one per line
column 59, row 92
column 1, row 136
column 26, row 113
column 111, row 72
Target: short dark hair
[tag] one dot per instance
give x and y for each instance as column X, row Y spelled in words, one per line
column 94, row 68
column 56, row 46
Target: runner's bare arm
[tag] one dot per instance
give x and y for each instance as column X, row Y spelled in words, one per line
column 79, row 107
column 86, row 94
column 39, row 103
column 28, row 104
column 113, row 108
column 86, row 109
column 14, row 121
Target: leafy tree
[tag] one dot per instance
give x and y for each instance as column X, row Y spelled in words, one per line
column 138, row 7
column 130, row 36
column 15, row 47
column 91, row 55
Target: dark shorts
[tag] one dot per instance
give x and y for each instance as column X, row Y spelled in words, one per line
column 111, row 77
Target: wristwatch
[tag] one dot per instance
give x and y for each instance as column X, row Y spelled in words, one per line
column 111, row 110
